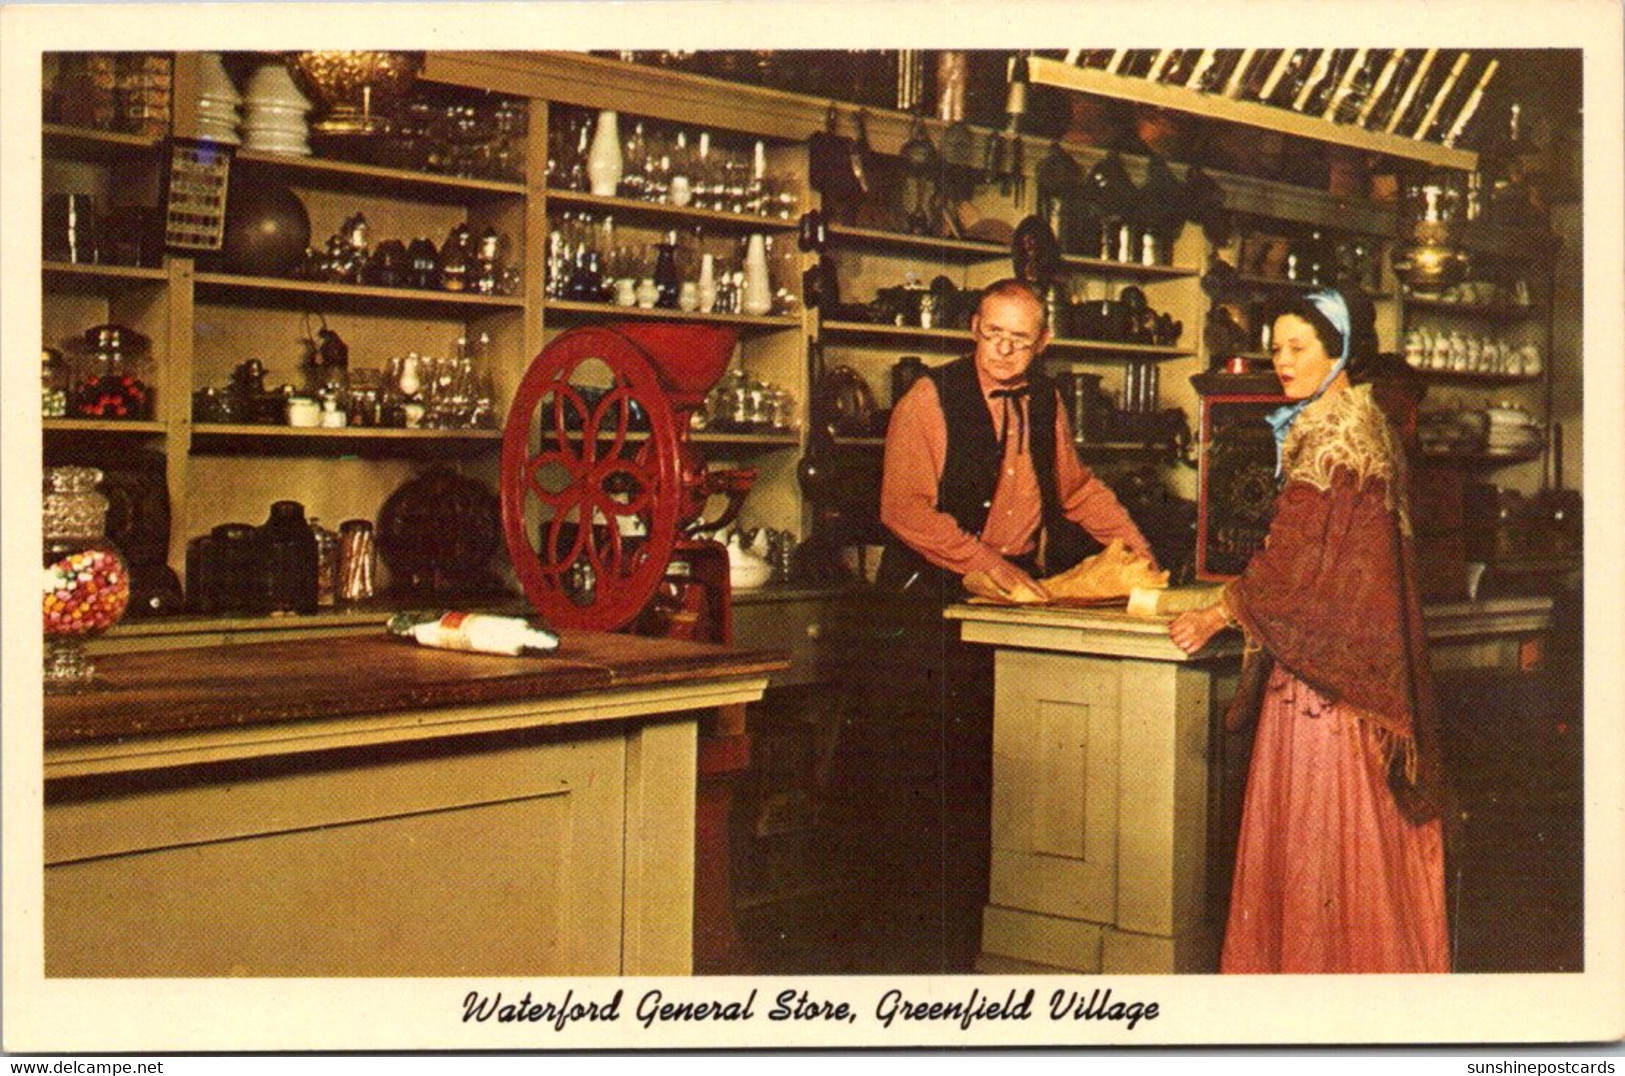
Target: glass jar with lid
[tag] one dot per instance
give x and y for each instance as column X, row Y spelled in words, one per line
column 86, row 584
column 113, row 375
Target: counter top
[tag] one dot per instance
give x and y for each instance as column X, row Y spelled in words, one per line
column 1111, row 631
column 354, row 689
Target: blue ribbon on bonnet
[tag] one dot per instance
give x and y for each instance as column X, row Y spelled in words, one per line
column 1332, row 305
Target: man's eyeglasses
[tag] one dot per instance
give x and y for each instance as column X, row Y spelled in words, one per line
column 1014, row 342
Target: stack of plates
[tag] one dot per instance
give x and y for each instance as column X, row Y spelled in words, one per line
column 217, row 101
column 1512, row 432
column 275, row 118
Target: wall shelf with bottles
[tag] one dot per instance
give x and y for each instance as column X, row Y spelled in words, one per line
column 576, row 312
column 662, row 214
column 955, row 339
column 281, row 291
column 248, row 432
column 330, row 174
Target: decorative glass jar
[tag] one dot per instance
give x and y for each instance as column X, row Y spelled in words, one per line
column 86, row 585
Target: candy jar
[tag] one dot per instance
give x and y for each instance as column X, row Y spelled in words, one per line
column 86, row 587
column 115, row 364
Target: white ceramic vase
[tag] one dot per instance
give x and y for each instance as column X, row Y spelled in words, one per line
column 708, row 283
column 604, row 155
column 758, row 297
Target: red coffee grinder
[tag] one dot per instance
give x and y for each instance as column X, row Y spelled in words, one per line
column 603, row 504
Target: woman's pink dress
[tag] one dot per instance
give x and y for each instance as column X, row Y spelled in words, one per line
column 1329, row 876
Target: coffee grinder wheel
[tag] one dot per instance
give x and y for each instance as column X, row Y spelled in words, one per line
column 592, row 480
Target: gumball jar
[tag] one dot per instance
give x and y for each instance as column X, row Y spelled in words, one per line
column 86, row 585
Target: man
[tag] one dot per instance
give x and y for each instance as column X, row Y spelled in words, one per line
column 980, row 474
column 980, row 466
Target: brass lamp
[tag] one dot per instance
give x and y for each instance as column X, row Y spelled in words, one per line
column 356, row 90
column 1427, row 259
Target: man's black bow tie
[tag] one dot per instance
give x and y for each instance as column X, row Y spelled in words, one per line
column 1014, row 401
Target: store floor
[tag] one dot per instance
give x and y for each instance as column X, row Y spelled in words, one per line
column 898, row 892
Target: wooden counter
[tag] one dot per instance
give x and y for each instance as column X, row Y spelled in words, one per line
column 1107, row 776
column 364, row 806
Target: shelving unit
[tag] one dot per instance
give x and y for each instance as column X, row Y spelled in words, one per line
column 204, row 322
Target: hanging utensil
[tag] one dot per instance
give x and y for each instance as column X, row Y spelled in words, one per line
column 1014, row 181
column 923, row 164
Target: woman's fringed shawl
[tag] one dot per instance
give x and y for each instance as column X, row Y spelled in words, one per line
column 1332, row 595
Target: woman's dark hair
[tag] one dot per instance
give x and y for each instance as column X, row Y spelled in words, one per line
column 1362, row 324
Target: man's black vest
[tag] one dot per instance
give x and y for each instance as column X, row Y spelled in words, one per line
column 970, row 474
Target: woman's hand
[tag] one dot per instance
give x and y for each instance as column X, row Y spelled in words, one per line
column 1191, row 631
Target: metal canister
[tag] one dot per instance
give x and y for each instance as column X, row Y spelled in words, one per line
column 358, row 560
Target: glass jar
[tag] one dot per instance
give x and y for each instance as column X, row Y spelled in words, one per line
column 86, row 585
column 54, row 384
column 292, row 561
column 113, row 379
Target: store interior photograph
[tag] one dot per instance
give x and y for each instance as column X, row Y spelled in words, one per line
column 516, row 513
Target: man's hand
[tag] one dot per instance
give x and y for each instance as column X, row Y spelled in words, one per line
column 1014, row 582
column 1191, row 631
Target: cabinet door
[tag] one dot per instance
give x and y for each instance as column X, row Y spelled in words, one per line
column 1055, row 797
column 503, row 859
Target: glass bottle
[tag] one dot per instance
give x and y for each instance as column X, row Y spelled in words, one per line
column 327, row 563
column 665, row 277
column 86, row 585
column 291, row 560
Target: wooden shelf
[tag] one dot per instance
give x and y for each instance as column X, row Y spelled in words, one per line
column 747, row 441
column 1047, row 72
column 958, row 250
column 661, row 213
column 1108, row 267
column 1301, row 285
column 285, row 292
column 101, row 426
column 976, row 250
column 952, row 339
column 1464, row 377
column 101, row 279
column 400, row 182
column 1478, row 459
column 90, row 144
column 1483, row 311
column 571, row 310
column 1107, row 347
column 233, row 439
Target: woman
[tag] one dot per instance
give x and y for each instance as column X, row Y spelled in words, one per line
column 1340, row 864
